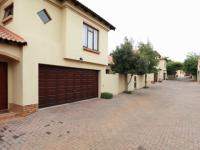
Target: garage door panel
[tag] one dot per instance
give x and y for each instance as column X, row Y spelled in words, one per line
column 58, row 85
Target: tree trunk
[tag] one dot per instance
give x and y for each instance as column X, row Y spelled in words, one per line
column 128, row 81
column 145, row 80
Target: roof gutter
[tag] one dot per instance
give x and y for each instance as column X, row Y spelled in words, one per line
column 88, row 10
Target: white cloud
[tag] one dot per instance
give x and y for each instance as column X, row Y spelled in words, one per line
column 173, row 26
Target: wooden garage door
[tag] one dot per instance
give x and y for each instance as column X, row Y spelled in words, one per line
column 59, row 85
column 3, row 87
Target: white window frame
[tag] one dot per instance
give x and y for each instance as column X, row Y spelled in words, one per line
column 86, row 30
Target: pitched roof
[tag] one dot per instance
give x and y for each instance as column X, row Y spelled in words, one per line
column 88, row 10
column 8, row 36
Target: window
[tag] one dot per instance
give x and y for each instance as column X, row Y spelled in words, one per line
column 90, row 37
column 107, row 71
column 44, row 16
column 8, row 11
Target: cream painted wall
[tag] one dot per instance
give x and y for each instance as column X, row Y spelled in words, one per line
column 150, row 78
column 3, row 5
column 140, row 81
column 111, row 83
column 51, row 43
column 162, row 66
column 131, row 84
column 11, row 51
column 13, row 56
column 14, row 24
column 58, row 42
column 74, row 38
column 122, row 83
column 180, row 73
column 114, row 83
column 14, row 80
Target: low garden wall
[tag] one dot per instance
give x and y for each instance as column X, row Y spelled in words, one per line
column 116, row 84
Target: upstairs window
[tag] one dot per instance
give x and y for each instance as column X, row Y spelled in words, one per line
column 90, row 37
column 44, row 16
column 8, row 11
column 8, row 14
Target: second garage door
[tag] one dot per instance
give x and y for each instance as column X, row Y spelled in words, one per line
column 59, row 85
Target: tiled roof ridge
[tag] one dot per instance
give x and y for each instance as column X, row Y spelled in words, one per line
column 8, row 35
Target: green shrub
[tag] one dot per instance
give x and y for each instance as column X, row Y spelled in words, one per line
column 106, row 95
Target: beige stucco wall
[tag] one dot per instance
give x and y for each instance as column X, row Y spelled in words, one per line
column 180, row 73
column 14, row 80
column 122, row 83
column 3, row 5
column 73, row 39
column 150, row 78
column 162, row 66
column 140, row 81
column 11, row 51
column 58, row 42
column 13, row 56
column 114, row 83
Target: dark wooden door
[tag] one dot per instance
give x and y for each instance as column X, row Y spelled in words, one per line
column 59, row 85
column 164, row 76
column 3, row 86
column 155, row 77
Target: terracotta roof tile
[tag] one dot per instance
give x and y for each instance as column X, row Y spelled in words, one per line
column 8, row 36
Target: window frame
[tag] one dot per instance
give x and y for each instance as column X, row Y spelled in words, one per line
column 7, row 18
column 92, row 30
column 46, row 13
column 10, row 6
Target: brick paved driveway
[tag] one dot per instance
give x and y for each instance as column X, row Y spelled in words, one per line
column 164, row 117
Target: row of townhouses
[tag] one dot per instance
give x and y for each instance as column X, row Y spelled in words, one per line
column 53, row 52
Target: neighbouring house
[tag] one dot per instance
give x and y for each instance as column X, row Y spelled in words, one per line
column 108, row 68
column 180, row 74
column 51, row 52
column 162, row 70
column 198, row 71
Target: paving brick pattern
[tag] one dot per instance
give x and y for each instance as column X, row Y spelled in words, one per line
column 163, row 117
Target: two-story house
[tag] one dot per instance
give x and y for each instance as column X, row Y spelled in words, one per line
column 198, row 71
column 162, row 70
column 51, row 52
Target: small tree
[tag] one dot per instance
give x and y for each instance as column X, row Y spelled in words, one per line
column 149, row 59
column 124, row 60
column 191, row 62
column 173, row 67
